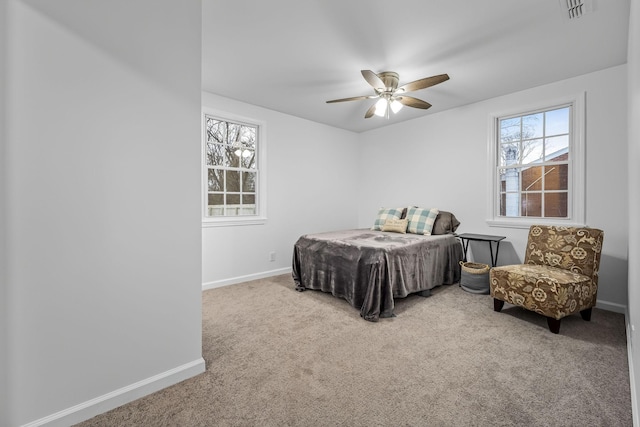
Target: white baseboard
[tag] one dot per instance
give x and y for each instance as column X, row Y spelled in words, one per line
column 241, row 279
column 104, row 403
column 611, row 306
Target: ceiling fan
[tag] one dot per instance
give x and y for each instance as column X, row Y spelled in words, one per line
column 391, row 97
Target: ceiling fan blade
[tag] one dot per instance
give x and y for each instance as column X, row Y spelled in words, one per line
column 410, row 101
column 423, row 83
column 370, row 111
column 373, row 79
column 353, row 98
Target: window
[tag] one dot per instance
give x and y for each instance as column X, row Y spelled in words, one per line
column 537, row 166
column 232, row 171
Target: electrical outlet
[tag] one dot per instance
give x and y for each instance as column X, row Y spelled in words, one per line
column 272, row 256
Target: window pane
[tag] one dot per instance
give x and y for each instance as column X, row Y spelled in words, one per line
column 556, row 177
column 216, row 199
column 503, row 183
column 215, row 156
column 510, row 129
column 216, row 130
column 532, row 178
column 509, row 154
column 531, row 204
column 233, row 205
column 233, row 133
column 248, row 159
column 248, row 182
column 510, row 204
column 557, row 121
column 248, row 199
column 509, row 179
column 532, row 126
column 216, row 180
column 233, row 181
column 248, row 137
column 531, row 151
column 215, row 205
column 248, row 204
column 555, row 205
column 557, row 148
column 233, row 156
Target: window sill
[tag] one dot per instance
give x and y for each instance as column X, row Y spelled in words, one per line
column 528, row 222
column 228, row 222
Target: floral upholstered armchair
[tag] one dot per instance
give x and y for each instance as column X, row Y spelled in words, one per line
column 559, row 276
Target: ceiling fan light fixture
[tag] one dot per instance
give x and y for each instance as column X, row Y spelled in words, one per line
column 381, row 107
column 395, row 106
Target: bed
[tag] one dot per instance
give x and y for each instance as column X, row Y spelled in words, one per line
column 370, row 268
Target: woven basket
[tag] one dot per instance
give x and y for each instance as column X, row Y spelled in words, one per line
column 474, row 277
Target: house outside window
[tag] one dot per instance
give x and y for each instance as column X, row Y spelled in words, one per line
column 233, row 171
column 538, row 166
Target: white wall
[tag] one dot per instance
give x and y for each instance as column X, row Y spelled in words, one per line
column 4, row 388
column 441, row 161
column 102, row 203
column 311, row 187
column 633, row 63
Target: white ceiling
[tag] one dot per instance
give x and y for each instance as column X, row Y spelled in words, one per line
column 293, row 55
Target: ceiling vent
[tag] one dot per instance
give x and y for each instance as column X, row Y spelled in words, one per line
column 576, row 8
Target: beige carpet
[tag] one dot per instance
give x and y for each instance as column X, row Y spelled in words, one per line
column 276, row 357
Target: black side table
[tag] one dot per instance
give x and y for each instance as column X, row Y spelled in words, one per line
column 467, row 237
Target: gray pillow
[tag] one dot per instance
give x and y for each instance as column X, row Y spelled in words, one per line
column 446, row 223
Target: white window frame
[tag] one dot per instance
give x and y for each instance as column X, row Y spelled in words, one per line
column 576, row 209
column 261, row 187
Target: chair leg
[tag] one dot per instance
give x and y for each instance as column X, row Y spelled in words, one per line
column 497, row 304
column 554, row 324
column 586, row 314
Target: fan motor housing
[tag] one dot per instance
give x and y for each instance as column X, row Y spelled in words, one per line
column 390, row 79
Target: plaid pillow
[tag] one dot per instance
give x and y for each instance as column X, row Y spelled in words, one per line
column 421, row 220
column 385, row 214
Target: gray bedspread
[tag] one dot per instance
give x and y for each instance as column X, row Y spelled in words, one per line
column 371, row 268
